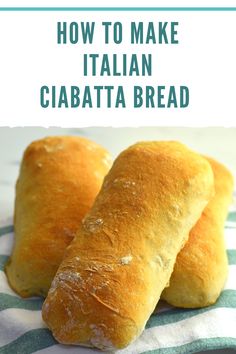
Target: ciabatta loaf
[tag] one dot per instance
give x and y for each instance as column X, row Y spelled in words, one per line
column 201, row 267
column 58, row 182
column 123, row 255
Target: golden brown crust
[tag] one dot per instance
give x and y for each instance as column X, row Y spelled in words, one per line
column 58, row 182
column 104, row 290
column 201, row 266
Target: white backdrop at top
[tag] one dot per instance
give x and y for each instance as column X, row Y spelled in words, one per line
column 204, row 60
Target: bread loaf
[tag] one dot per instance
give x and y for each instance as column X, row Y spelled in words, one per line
column 201, row 267
column 58, row 182
column 122, row 257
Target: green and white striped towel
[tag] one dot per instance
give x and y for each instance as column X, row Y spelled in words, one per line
column 171, row 331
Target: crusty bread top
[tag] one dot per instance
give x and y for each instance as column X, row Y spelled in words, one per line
column 64, row 174
column 55, row 162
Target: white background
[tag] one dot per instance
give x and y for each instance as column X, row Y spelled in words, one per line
column 204, row 60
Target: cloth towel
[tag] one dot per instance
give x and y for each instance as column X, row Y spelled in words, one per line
column 168, row 331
